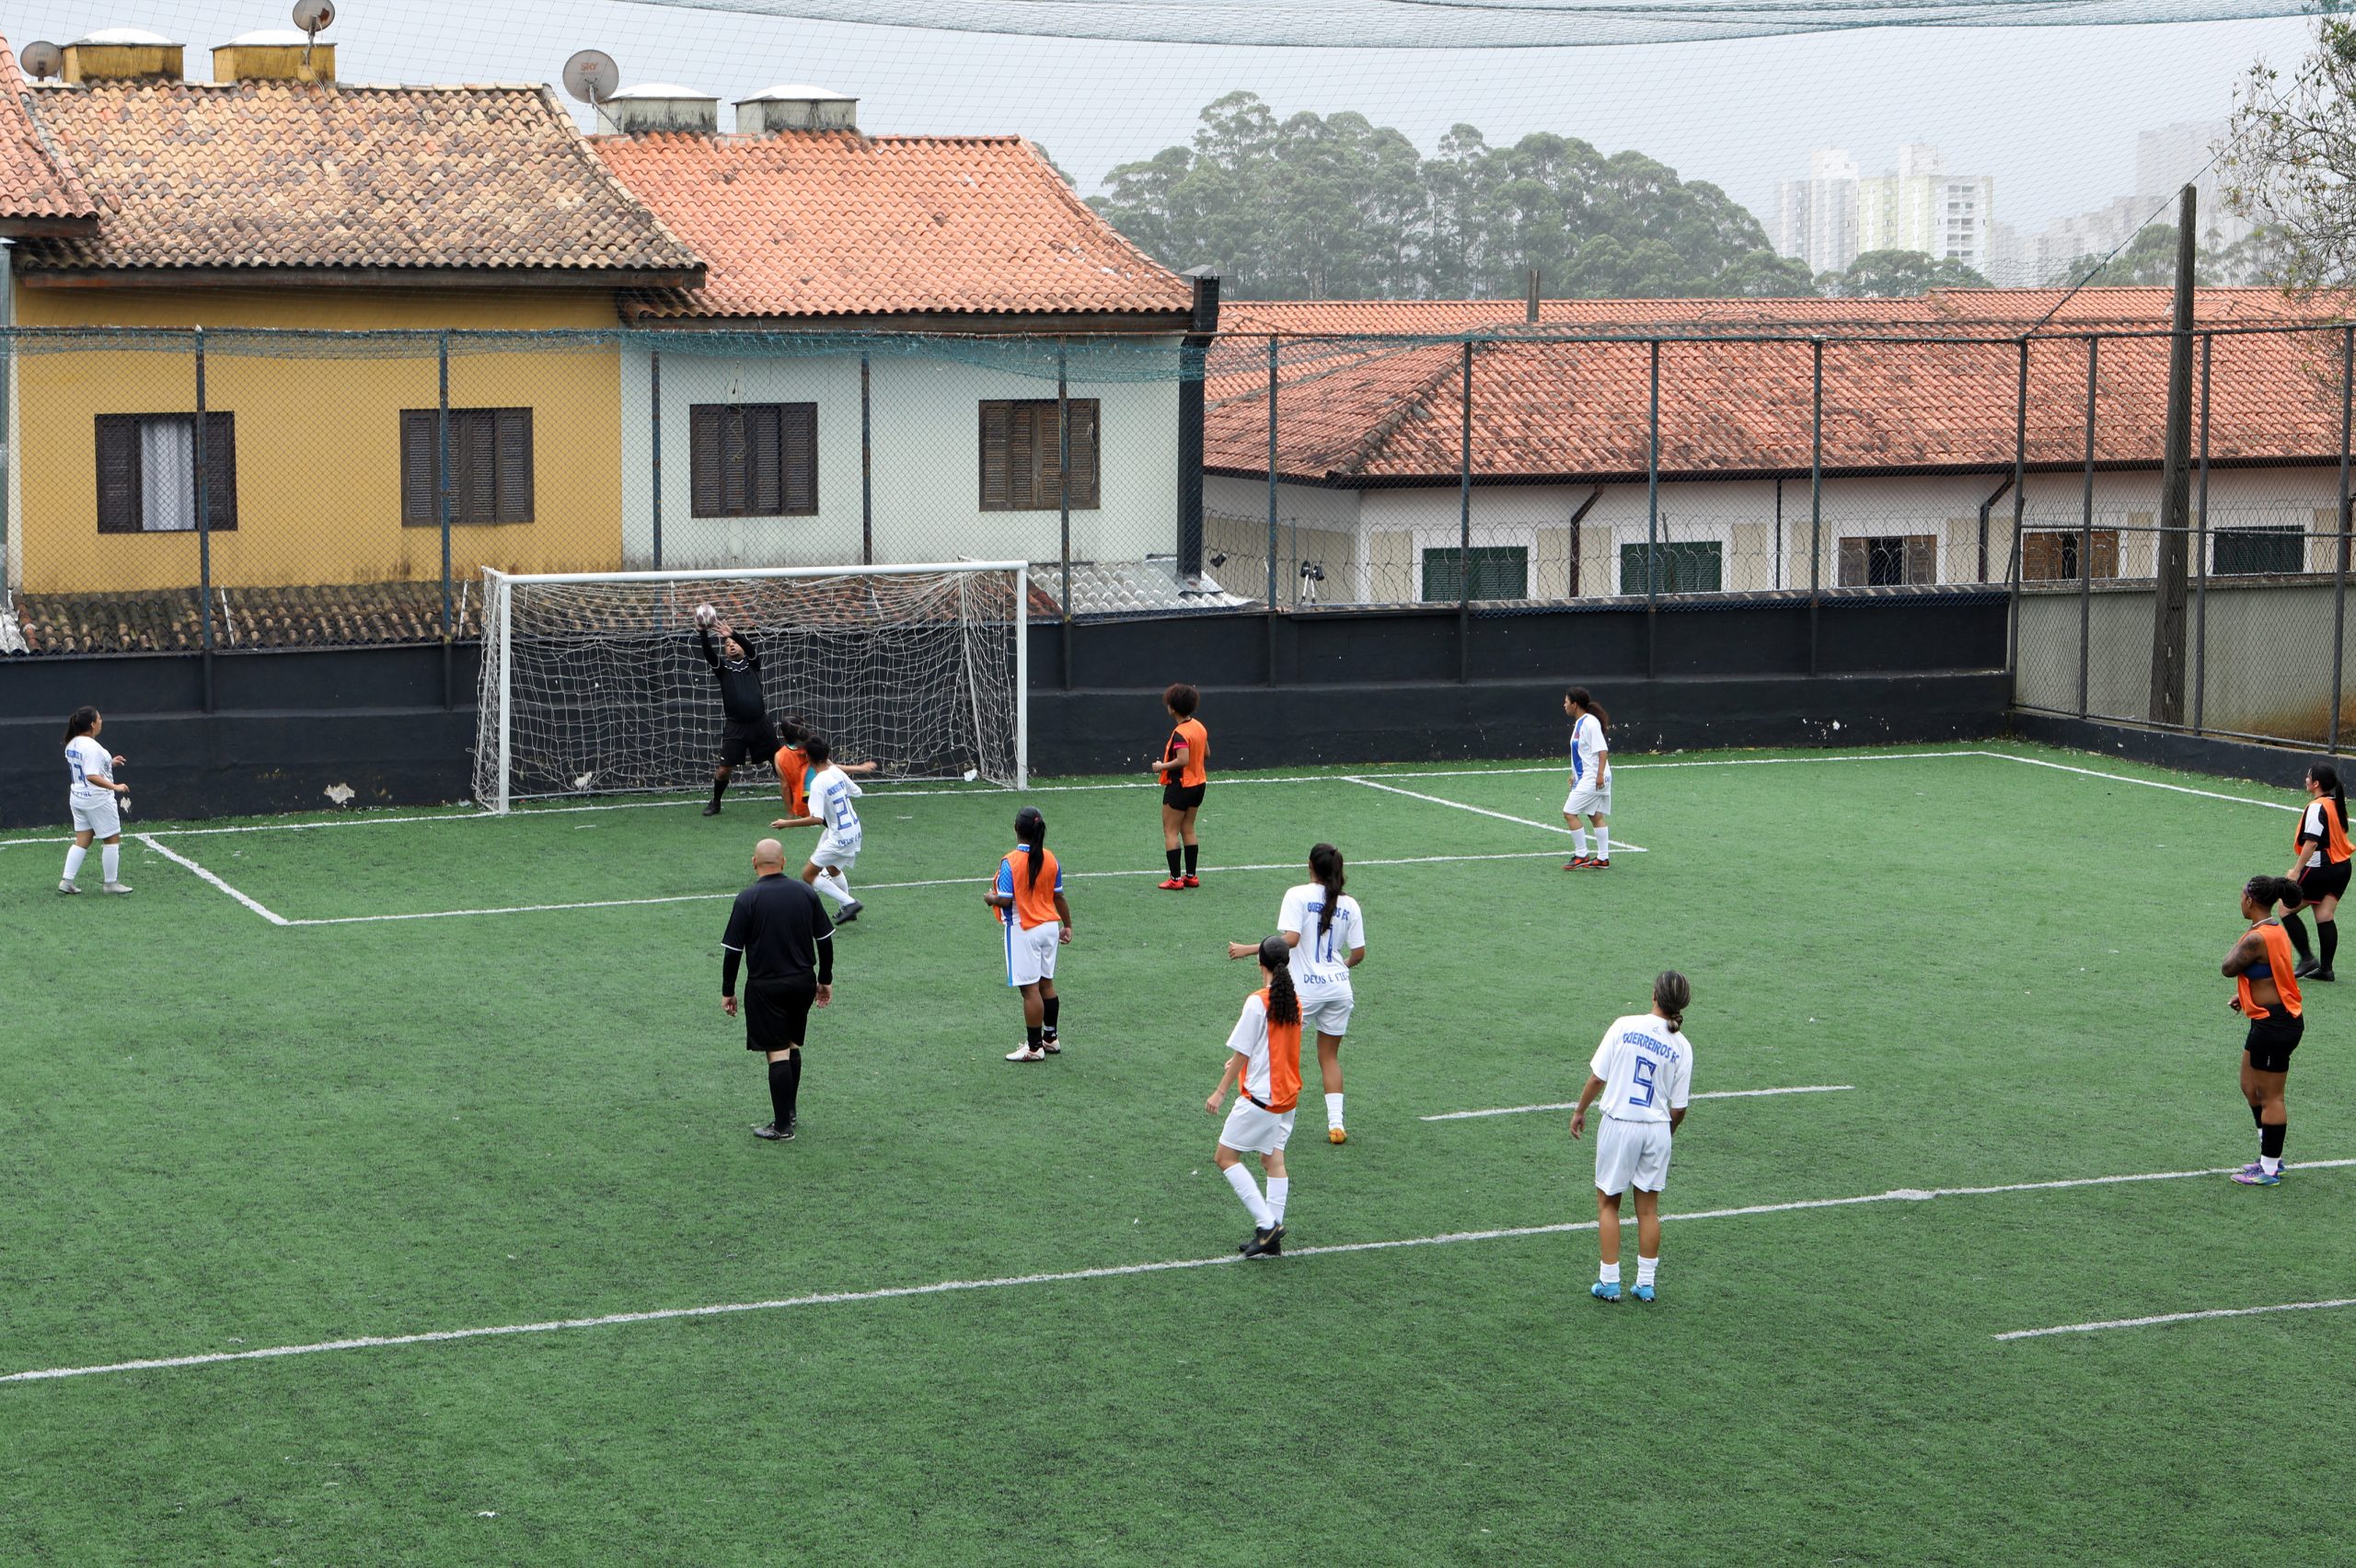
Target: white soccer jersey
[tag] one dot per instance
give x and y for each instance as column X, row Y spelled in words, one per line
column 1588, row 749
column 1322, row 960
column 831, row 794
column 1647, row 1071
column 86, row 760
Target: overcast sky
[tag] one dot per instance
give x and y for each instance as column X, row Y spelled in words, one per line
column 2051, row 112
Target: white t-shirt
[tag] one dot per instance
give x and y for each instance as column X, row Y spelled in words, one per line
column 831, row 794
column 1587, row 750
column 1647, row 1071
column 1322, row 962
column 86, row 759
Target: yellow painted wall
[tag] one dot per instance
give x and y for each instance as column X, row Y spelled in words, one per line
column 318, row 457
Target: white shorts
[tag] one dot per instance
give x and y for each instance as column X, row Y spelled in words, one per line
column 1630, row 1154
column 1031, row 954
column 1328, row 1013
column 1588, row 801
column 1251, row 1130
column 99, row 817
column 835, row 854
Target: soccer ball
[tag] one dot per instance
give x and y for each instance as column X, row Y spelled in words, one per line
column 705, row 615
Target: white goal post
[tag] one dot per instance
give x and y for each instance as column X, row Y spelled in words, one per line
column 594, row 683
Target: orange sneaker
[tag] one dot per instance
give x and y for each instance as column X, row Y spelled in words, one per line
column 1335, row 1135
column 1171, row 884
column 1191, row 879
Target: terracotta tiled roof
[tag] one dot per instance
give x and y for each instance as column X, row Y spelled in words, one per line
column 1451, row 317
column 34, row 185
column 166, row 619
column 1353, row 411
column 814, row 225
column 283, row 175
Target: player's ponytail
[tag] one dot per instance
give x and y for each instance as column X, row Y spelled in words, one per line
column 1586, row 700
column 1672, row 994
column 2267, row 891
column 1325, row 865
column 83, row 721
column 2327, row 777
column 1284, row 1003
column 1032, row 829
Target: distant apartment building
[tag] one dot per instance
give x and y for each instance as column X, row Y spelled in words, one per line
column 1921, row 207
column 1816, row 218
column 2173, row 156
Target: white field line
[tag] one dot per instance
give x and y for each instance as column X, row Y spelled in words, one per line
column 1714, row 1094
column 977, row 883
column 1482, row 811
column 1119, row 1271
column 2147, row 783
column 179, row 859
column 2178, row 1317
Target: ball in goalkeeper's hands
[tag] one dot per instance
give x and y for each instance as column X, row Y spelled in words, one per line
column 705, row 615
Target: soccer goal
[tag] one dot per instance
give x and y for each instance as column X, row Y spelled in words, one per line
column 595, row 682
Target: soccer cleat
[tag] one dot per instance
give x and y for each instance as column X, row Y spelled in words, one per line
column 849, row 912
column 2322, row 976
column 1599, row 864
column 67, row 887
column 1053, row 1046
column 1335, row 1135
column 1171, row 884
column 1643, row 1293
column 1578, row 863
column 1603, row 1292
column 115, row 887
column 1191, row 879
column 711, row 808
column 2258, row 1176
column 1268, row 1243
column 774, row 1133
column 1024, row 1054
column 2304, row 969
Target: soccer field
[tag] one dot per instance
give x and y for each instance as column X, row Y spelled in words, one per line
column 461, row 1083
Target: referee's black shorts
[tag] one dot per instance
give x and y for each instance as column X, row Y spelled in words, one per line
column 777, row 1012
column 744, row 738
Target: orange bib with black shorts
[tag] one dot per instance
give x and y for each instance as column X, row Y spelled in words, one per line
column 2277, row 967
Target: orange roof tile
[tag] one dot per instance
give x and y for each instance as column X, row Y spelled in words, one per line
column 36, row 189
column 836, row 223
column 266, row 175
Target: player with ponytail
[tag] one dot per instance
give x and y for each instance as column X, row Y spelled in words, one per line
column 1590, row 795
column 96, row 798
column 1644, row 1070
column 1029, row 901
column 1264, row 1064
column 2266, row 992
column 1326, row 930
column 2319, row 863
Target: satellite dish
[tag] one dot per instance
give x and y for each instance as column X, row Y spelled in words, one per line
column 312, row 17
column 42, row 60
column 592, row 75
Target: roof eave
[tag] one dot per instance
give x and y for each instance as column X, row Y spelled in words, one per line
column 42, row 277
column 1143, row 322
column 49, row 225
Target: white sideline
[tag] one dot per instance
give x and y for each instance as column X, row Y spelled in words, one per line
column 1714, row 1094
column 2148, row 783
column 1481, row 810
column 2178, row 1317
column 179, row 859
column 944, row 1288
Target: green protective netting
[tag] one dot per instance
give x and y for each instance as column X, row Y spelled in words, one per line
column 1472, row 24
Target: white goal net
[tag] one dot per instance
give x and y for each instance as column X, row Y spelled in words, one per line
column 597, row 683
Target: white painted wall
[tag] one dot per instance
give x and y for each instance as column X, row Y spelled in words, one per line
column 926, row 419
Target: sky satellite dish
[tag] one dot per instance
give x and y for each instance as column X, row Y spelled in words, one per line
column 42, row 60
column 592, row 75
column 313, row 17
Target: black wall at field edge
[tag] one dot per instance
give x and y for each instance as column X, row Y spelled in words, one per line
column 1348, row 686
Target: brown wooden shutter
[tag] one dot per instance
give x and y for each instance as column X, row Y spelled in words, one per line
column 117, row 441
column 1853, row 568
column 703, row 460
column 998, row 457
column 1084, row 464
column 221, row 472
column 764, row 461
column 512, row 431
column 420, row 432
column 798, row 444
column 1921, row 558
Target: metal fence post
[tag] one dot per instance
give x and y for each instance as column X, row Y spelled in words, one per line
column 2086, row 530
column 1464, row 533
column 654, row 402
column 203, row 528
column 867, row 472
column 442, row 508
column 2340, row 569
column 1652, row 515
column 2020, row 511
column 2201, row 559
column 1272, row 508
column 1815, row 493
column 1063, row 490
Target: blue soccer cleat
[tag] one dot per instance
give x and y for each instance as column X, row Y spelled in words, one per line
column 1603, row 1292
column 1643, row 1293
column 2258, row 1176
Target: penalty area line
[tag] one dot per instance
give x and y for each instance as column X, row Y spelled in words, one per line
column 1479, row 811
column 1714, row 1094
column 178, row 858
column 2178, row 1317
column 1069, row 1276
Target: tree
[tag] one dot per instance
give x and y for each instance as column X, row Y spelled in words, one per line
column 2290, row 158
column 1897, row 274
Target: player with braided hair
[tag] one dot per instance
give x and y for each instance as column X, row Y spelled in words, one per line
column 1644, row 1070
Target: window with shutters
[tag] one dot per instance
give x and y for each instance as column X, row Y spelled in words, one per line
column 1497, row 571
column 2272, row 548
column 2052, row 555
column 1685, row 566
column 1890, row 560
column 147, row 472
column 752, row 459
column 1019, row 450
column 490, row 467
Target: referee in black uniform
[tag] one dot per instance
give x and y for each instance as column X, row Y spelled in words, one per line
column 747, row 729
column 779, row 931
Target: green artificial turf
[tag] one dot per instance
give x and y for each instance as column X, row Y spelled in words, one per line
column 218, row 1134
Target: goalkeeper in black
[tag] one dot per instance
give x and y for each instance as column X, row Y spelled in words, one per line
column 779, row 933
column 745, row 730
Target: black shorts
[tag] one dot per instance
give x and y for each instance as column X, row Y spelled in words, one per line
column 743, row 738
column 2273, row 1039
column 777, row 1013
column 2327, row 880
column 1182, row 797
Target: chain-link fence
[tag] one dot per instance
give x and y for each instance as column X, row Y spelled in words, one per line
column 358, row 482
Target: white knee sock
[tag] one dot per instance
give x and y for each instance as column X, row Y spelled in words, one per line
column 1611, row 1274
column 1644, row 1268
column 1603, row 843
column 1332, row 1110
column 1579, row 840
column 1279, row 1189
column 73, row 859
column 110, row 861
column 1253, row 1203
column 831, row 884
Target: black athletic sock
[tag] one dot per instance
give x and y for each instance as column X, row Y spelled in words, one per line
column 1172, row 856
column 2270, row 1139
column 1051, row 1006
column 718, row 787
column 2328, row 931
column 1193, row 851
column 785, row 1078
column 1033, row 1035
column 2297, row 928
